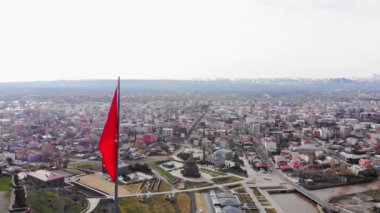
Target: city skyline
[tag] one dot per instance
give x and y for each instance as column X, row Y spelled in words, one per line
column 198, row 40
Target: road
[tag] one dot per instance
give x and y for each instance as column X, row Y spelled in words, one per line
column 208, row 203
column 250, row 172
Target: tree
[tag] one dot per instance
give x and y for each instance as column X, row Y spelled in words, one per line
column 236, row 160
column 190, row 168
column 9, row 161
column 184, row 156
column 144, row 168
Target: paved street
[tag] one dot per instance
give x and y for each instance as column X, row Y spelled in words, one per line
column 208, row 202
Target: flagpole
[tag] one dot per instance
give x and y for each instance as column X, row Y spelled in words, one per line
column 116, row 209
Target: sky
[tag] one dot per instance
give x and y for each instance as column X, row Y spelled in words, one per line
column 198, row 39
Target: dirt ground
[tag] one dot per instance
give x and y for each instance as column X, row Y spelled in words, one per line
column 97, row 182
column 357, row 205
column 4, row 201
column 200, row 202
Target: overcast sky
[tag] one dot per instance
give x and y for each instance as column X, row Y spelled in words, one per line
column 158, row 39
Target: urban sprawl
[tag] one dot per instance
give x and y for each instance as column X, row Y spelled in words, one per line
column 193, row 152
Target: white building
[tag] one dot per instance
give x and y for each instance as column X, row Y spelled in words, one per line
column 270, row 145
column 255, row 128
column 218, row 157
column 167, row 132
column 325, row 133
column 345, row 131
column 45, row 178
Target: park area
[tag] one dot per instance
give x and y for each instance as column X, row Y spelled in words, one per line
column 226, row 179
column 169, row 177
column 55, row 200
column 156, row 204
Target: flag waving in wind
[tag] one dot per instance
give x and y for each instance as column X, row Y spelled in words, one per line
column 107, row 144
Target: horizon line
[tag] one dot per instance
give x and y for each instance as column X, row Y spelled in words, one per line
column 192, row 79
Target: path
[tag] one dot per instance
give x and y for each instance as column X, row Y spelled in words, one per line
column 4, row 201
column 208, row 202
column 254, row 198
column 93, row 203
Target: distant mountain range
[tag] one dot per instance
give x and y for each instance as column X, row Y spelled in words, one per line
column 270, row 85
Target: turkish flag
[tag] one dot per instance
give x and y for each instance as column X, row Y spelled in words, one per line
column 107, row 143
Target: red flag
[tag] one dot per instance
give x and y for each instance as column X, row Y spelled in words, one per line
column 107, row 143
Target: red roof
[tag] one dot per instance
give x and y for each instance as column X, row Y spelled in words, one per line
column 284, row 153
column 261, row 165
column 285, row 167
column 245, row 140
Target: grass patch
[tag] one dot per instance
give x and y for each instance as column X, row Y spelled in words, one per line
column 210, row 172
column 256, row 192
column 228, row 179
column 245, row 198
column 200, row 203
column 260, row 197
column 240, row 190
column 239, row 172
column 183, row 203
column 252, row 211
column 49, row 200
column 164, row 187
column 171, row 178
column 91, row 165
column 155, row 204
column 193, row 185
column 133, row 188
column 372, row 193
column 5, row 185
column 74, row 171
column 104, row 206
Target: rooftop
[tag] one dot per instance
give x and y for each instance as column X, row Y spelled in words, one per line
column 45, row 175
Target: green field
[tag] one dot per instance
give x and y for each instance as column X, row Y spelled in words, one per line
column 46, row 200
column 164, row 187
column 193, row 185
column 245, row 198
column 74, row 171
column 156, row 204
column 171, row 178
column 91, row 165
column 240, row 190
column 210, row 172
column 183, row 203
column 260, row 197
column 133, row 188
column 223, row 180
column 5, row 184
